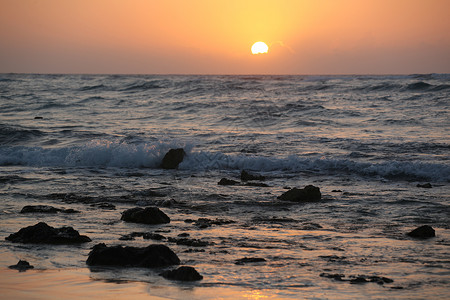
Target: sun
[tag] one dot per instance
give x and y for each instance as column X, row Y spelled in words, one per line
column 260, row 48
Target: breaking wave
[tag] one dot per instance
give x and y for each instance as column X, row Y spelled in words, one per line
column 105, row 153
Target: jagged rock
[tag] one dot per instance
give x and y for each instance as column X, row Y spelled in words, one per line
column 422, row 232
column 173, row 158
column 245, row 176
column 225, row 181
column 22, row 266
column 247, row 260
column 149, row 215
column 153, row 256
column 425, row 185
column 309, row 193
column 41, row 233
column 183, row 273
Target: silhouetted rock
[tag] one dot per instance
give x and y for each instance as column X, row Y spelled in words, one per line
column 22, row 266
column 225, row 181
column 308, row 194
column 46, row 209
column 173, row 158
column 183, row 273
column 245, row 176
column 39, row 209
column 422, row 232
column 148, row 215
column 41, row 233
column 189, row 242
column 153, row 256
column 205, row 222
column 425, row 185
column 247, row 260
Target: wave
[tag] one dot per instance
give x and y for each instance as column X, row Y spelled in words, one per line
column 92, row 87
column 103, row 153
column 296, row 164
column 143, row 86
column 10, row 135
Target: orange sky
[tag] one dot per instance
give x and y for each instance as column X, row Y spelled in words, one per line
column 215, row 37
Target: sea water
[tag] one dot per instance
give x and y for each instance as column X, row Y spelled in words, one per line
column 94, row 143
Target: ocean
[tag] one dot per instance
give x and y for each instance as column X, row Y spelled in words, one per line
column 95, row 143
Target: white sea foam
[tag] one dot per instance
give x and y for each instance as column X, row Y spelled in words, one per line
column 145, row 155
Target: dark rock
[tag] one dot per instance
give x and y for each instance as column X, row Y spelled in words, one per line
column 149, row 215
column 380, row 280
column 311, row 226
column 41, row 233
column 336, row 191
column 104, row 205
column 22, row 266
column 145, row 235
column 153, row 236
column 184, row 234
column 422, row 232
column 70, row 211
column 173, row 158
column 358, row 280
column 308, row 194
column 183, row 273
column 260, row 184
column 225, row 181
column 245, row 176
column 39, row 209
column 337, row 277
column 247, row 260
column 189, row 242
column 425, row 185
column 153, row 256
column 38, row 118
column 205, row 222
column 47, row 209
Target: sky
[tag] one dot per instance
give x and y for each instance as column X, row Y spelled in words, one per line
column 215, row 36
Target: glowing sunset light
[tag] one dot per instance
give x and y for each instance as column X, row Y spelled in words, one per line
column 197, row 37
column 260, row 48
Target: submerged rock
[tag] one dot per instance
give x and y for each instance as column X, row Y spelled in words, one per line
column 22, row 266
column 422, row 232
column 46, row 209
column 189, row 242
column 39, row 209
column 425, row 185
column 309, row 193
column 153, row 256
column 148, row 215
column 247, row 260
column 183, row 273
column 359, row 279
column 173, row 158
column 41, row 233
column 226, row 181
column 245, row 176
